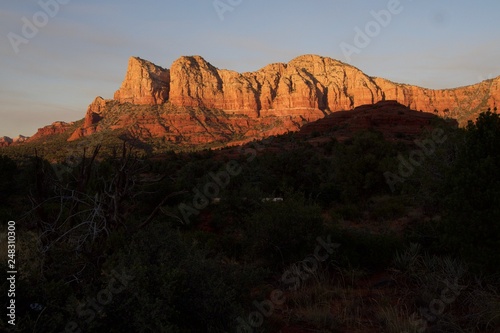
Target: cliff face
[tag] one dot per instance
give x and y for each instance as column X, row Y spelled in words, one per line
column 286, row 95
column 309, row 86
column 195, row 82
column 145, row 83
column 95, row 112
column 462, row 103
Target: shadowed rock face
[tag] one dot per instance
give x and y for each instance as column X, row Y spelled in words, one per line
column 195, row 102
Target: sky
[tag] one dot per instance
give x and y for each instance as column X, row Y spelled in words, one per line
column 80, row 49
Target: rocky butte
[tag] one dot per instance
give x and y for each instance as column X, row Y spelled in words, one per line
column 195, row 102
column 6, row 141
column 311, row 84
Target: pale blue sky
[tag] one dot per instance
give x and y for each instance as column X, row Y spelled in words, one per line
column 82, row 52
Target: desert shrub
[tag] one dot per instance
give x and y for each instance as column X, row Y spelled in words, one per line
column 176, row 286
column 485, row 301
column 41, row 304
column 155, row 280
column 328, row 192
column 279, row 233
column 471, row 195
column 364, row 250
column 42, row 307
column 360, row 166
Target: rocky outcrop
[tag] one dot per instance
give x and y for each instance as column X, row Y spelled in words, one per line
column 195, row 82
column 462, row 103
column 326, row 84
column 5, row 141
column 309, row 86
column 95, row 112
column 57, row 127
column 145, row 83
column 182, row 125
column 20, row 139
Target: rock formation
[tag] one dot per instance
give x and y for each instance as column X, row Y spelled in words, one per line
column 20, row 139
column 145, row 83
column 309, row 86
column 92, row 117
column 195, row 82
column 5, row 141
column 195, row 102
column 57, row 127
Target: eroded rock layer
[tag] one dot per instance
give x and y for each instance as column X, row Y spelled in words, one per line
column 286, row 95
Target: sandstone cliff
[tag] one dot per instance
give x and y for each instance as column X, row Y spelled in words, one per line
column 199, row 103
column 145, row 83
column 92, row 117
column 462, row 103
column 310, row 86
column 195, row 82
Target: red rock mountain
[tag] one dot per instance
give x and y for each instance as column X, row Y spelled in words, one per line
column 195, row 102
column 308, row 84
column 145, row 83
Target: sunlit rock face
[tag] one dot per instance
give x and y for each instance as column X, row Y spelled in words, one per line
column 195, row 102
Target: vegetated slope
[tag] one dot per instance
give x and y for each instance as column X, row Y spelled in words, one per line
column 156, row 129
column 216, row 272
column 395, row 121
